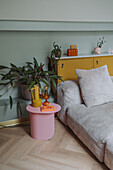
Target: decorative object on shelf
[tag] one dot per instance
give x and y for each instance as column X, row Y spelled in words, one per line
column 47, row 108
column 53, row 62
column 97, row 50
column 30, row 74
column 46, row 96
column 110, row 51
column 56, row 52
column 36, row 101
column 100, row 42
column 73, row 51
column 45, row 90
column 46, row 103
column 42, row 94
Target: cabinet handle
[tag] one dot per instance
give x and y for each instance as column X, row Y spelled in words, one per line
column 97, row 62
column 62, row 66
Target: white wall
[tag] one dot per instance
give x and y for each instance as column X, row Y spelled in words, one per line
column 57, row 10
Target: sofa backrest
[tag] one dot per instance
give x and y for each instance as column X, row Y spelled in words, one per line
column 70, row 90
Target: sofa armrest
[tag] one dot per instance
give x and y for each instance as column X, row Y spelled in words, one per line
column 68, row 93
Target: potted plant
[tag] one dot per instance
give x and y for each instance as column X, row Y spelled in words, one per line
column 100, row 42
column 30, row 74
column 54, row 57
column 56, row 52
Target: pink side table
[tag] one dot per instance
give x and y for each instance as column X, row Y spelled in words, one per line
column 42, row 123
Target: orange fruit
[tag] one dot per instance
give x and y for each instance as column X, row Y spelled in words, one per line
column 46, row 103
column 46, row 97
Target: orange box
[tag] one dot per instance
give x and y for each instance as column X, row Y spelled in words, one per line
column 72, row 51
column 47, row 108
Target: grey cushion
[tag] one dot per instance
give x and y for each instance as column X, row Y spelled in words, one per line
column 96, row 86
column 68, row 93
column 94, row 126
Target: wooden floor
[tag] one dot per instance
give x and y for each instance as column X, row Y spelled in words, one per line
column 18, row 151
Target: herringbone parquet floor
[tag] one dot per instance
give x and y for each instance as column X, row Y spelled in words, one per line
column 18, row 151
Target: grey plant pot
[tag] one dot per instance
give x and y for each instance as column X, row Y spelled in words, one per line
column 25, row 93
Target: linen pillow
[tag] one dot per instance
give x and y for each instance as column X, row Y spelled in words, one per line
column 96, row 86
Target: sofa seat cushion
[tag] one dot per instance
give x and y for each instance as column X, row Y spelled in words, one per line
column 109, row 153
column 93, row 126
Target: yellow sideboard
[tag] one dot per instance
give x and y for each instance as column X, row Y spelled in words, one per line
column 100, row 61
column 66, row 67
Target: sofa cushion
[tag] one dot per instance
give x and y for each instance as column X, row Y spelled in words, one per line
column 68, row 93
column 94, row 126
column 96, row 86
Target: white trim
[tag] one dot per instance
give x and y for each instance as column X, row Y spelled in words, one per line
column 85, row 56
column 12, row 25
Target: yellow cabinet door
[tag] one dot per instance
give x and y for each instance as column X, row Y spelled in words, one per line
column 66, row 67
column 105, row 60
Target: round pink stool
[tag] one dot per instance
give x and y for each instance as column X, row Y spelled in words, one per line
column 42, row 123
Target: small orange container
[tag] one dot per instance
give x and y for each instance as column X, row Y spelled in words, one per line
column 73, row 51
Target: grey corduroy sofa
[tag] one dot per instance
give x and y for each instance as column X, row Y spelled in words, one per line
column 93, row 126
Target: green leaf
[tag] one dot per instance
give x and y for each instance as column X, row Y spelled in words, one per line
column 29, row 71
column 38, row 83
column 54, row 83
column 21, row 80
column 55, row 77
column 25, row 77
column 29, row 82
column 36, row 63
column 29, row 63
column 12, row 65
column 19, row 109
column 50, row 72
column 30, row 67
column 41, row 68
column 31, row 85
column 3, row 67
column 8, row 76
column 59, row 78
column 44, row 82
column 4, row 84
column 43, row 73
column 15, row 68
column 11, row 102
column 35, row 70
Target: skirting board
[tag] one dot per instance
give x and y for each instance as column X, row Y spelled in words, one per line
column 14, row 122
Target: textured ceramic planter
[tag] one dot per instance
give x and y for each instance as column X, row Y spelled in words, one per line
column 25, row 93
column 97, row 50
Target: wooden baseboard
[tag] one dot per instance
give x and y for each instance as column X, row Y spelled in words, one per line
column 14, row 122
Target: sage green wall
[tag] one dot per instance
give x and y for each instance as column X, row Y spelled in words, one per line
column 19, row 47
column 60, row 10
column 86, row 41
